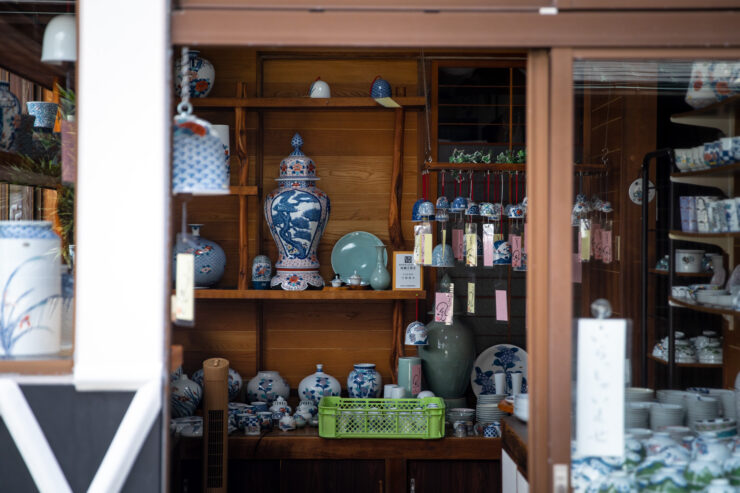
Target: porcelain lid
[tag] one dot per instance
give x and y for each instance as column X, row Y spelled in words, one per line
column 297, row 165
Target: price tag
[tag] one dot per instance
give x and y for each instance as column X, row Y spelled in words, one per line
column 606, row 246
column 584, row 235
column 488, row 229
column 502, row 306
column 471, row 297
column 183, row 302
column 457, row 244
column 443, row 307
column 516, row 250
column 596, row 241
column 471, row 250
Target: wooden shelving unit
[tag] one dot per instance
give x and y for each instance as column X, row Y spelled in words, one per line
column 720, row 115
column 520, row 167
column 723, row 171
column 61, row 365
column 685, row 365
column 11, row 172
column 326, row 294
column 680, row 274
column 305, row 103
column 703, row 308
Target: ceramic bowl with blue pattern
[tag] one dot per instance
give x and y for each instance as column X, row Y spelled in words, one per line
column 45, row 113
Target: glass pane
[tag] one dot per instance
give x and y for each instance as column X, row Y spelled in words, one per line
column 473, row 76
column 474, row 133
column 644, row 388
column 474, row 95
column 474, row 114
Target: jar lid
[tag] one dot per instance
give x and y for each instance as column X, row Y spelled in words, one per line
column 297, row 165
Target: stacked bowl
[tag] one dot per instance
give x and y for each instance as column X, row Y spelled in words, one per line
column 638, row 394
column 667, row 396
column 720, row 427
column 637, row 414
column 725, row 397
column 665, row 415
column 487, row 410
column 700, row 407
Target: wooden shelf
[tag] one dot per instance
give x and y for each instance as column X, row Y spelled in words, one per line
column 686, row 365
column 702, row 308
column 23, row 177
column 720, row 115
column 521, row 167
column 680, row 274
column 326, row 294
column 723, row 171
column 60, row 365
column 304, row 103
column 305, row 443
column 725, row 241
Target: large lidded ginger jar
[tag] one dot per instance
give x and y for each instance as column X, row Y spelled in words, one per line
column 297, row 213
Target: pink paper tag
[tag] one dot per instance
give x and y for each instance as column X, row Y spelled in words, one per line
column 488, row 245
column 596, row 241
column 502, row 307
column 516, row 250
column 457, row 244
column 443, row 307
column 606, row 247
column 415, row 379
column 577, row 275
column 525, row 248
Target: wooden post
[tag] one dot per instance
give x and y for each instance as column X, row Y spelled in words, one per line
column 240, row 138
column 394, row 210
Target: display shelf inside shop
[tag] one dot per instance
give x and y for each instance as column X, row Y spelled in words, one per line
column 723, row 240
column 720, row 115
column 305, row 443
column 681, row 274
column 686, row 365
column 326, row 294
column 11, row 171
column 520, row 167
column 60, row 364
column 723, row 171
column 703, row 308
column 305, row 102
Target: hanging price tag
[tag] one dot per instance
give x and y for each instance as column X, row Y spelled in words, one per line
column 183, row 299
column 584, row 235
column 423, row 244
column 488, row 244
column 457, row 244
column 606, row 245
column 502, row 306
column 443, row 307
column 471, row 297
column 516, row 250
column 596, row 248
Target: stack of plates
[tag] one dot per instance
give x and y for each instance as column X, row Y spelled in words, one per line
column 664, row 415
column 726, row 399
column 460, row 414
column 637, row 394
column 637, row 414
column 678, row 432
column 487, row 410
column 700, row 407
column 673, row 396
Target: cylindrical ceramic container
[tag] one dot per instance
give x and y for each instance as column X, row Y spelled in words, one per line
column 364, row 381
column 689, row 261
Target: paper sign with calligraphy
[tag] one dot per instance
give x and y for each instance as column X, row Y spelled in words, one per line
column 502, row 306
column 406, row 273
column 443, row 308
column 516, row 250
column 457, row 244
column 471, row 297
column 600, row 387
column 488, row 244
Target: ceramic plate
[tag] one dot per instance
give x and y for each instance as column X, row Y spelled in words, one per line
column 502, row 357
column 356, row 252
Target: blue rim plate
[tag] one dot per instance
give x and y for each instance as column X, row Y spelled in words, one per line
column 356, row 251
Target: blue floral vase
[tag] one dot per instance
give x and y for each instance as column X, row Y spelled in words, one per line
column 200, row 73
column 297, row 213
column 267, row 386
column 234, row 382
column 261, row 272
column 185, row 395
column 318, row 385
column 364, row 381
column 9, row 108
column 31, row 284
column 210, row 259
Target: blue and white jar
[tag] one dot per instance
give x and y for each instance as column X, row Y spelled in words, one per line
column 198, row 164
column 31, row 284
column 45, row 113
column 364, row 381
column 267, row 386
column 209, row 261
column 9, row 108
column 297, row 213
column 318, row 385
column 234, row 382
column 185, row 395
column 201, row 75
column 261, row 272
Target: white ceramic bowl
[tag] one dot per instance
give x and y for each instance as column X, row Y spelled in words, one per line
column 521, row 407
column 689, row 261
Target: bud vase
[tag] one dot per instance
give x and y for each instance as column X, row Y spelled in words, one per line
column 380, row 279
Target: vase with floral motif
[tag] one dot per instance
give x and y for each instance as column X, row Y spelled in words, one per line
column 267, row 386
column 318, row 385
column 209, row 258
column 297, row 213
column 185, row 396
column 364, row 381
column 9, row 108
column 201, row 75
column 261, row 272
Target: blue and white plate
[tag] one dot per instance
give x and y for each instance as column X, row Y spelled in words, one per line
column 501, row 357
column 356, row 252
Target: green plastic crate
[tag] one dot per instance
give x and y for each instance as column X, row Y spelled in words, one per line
column 341, row 417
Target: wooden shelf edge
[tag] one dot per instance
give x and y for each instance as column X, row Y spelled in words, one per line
column 703, row 308
column 719, row 171
column 305, row 102
column 246, row 190
column 699, row 236
column 21, row 176
column 55, row 366
column 680, row 274
column 686, row 365
column 437, row 166
column 714, row 109
column 326, row 294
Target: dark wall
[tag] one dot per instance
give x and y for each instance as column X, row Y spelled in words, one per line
column 79, row 427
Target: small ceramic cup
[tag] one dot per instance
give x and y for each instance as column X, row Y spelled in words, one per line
column 45, row 113
column 265, row 418
column 260, row 406
column 252, row 426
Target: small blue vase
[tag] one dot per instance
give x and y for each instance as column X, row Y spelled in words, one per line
column 364, row 381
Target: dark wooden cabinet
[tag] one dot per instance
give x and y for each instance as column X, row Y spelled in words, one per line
column 332, row 476
column 455, row 475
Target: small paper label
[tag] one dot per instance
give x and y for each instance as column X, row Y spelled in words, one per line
column 184, row 282
column 525, row 243
column 423, row 248
column 606, row 247
column 516, row 250
column 443, row 308
column 601, row 376
column 488, row 245
column 585, row 240
column 471, row 250
column 471, row 297
column 415, row 379
column 457, row 244
column 502, row 307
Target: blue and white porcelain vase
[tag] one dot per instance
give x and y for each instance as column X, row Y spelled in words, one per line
column 297, row 213
column 267, row 386
column 234, row 382
column 364, row 381
column 261, row 272
column 318, row 385
column 9, row 108
column 198, row 164
column 209, row 261
column 185, row 395
column 201, row 75
column 31, row 283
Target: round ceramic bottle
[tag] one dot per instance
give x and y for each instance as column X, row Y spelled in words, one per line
column 267, row 386
column 185, row 396
column 200, row 73
column 210, row 259
column 318, row 385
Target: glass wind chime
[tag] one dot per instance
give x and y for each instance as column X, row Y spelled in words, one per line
column 593, row 223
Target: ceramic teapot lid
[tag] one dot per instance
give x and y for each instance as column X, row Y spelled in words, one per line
column 297, row 166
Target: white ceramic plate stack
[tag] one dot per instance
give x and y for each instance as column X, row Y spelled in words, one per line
column 664, row 415
column 637, row 414
column 726, row 399
column 487, row 410
column 667, row 396
column 700, row 407
column 638, row 394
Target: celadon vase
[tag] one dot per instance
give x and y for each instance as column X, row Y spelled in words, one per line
column 380, row 278
column 448, row 359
